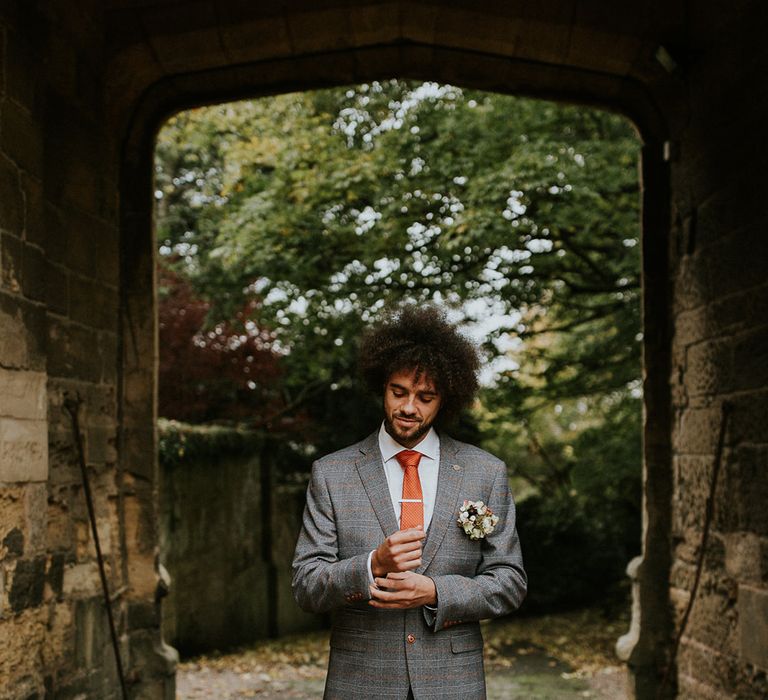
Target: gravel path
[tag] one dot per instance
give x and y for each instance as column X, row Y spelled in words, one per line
column 553, row 658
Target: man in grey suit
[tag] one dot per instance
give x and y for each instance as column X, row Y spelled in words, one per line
column 381, row 547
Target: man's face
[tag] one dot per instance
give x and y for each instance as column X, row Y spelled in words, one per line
column 410, row 406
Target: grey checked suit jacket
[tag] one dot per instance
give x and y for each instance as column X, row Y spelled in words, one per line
column 348, row 514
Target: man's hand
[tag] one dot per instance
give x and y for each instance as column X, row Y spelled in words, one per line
column 401, row 551
column 403, row 590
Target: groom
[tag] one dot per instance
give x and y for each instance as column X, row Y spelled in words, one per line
column 380, row 546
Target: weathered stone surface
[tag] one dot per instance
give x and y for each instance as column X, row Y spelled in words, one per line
column 23, row 394
column 11, row 262
column 12, row 211
column 81, row 579
column 73, row 351
column 75, row 74
column 21, row 138
column 22, row 342
column 23, row 450
column 33, row 269
column 14, row 542
column 27, row 584
column 753, row 625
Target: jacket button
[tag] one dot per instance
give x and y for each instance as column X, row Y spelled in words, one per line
column 411, row 639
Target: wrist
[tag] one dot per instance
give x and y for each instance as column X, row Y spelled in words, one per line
column 375, row 568
column 433, row 593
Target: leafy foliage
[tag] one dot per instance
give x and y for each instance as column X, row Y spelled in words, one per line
column 315, row 211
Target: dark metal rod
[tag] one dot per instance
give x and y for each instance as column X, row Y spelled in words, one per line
column 709, row 509
column 72, row 406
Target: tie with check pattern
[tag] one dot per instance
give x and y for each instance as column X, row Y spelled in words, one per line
column 412, row 505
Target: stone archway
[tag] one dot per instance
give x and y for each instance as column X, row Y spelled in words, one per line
column 83, row 86
column 647, row 645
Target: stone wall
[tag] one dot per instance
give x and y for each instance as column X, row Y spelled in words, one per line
column 719, row 255
column 59, row 257
column 83, row 87
column 228, row 528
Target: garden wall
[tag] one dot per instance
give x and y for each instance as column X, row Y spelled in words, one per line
column 229, row 520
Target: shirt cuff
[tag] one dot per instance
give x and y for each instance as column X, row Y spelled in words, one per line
column 370, row 570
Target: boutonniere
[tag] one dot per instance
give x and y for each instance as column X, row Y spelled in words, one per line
column 477, row 519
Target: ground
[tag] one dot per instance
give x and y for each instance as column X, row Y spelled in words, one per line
column 550, row 657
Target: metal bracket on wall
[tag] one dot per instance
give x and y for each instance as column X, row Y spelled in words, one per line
column 72, row 406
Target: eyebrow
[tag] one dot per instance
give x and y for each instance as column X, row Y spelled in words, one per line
column 429, row 392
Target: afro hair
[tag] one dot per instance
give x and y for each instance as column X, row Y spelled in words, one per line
column 420, row 338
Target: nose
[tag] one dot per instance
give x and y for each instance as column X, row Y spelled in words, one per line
column 409, row 406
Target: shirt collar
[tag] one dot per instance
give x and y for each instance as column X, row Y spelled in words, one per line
column 429, row 445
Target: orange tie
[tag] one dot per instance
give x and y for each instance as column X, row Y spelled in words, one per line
column 412, row 506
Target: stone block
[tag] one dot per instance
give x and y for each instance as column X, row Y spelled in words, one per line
column 22, row 341
column 100, row 443
column 55, row 573
column 21, row 67
column 81, row 579
column 23, row 394
column 13, row 543
column 181, row 41
column 109, row 357
column 23, row 450
column 56, row 288
column 697, row 430
column 34, row 210
column 92, row 631
column 11, row 262
column 709, row 367
column 60, row 535
column 691, row 284
column 748, row 423
column 248, row 38
column 21, row 138
column 92, row 304
column 742, row 557
column 90, row 246
column 27, row 584
column 12, row 211
column 753, row 626
column 750, row 359
column 750, row 487
column 737, row 262
column 35, row 509
column 711, row 668
column 73, row 351
column 33, row 279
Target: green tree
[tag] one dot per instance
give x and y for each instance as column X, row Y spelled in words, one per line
column 316, row 210
column 327, row 205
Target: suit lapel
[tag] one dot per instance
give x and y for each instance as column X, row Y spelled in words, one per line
column 449, row 480
column 371, row 470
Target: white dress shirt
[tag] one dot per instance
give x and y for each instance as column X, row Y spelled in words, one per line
column 429, row 466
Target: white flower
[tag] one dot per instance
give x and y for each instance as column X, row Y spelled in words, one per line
column 476, row 519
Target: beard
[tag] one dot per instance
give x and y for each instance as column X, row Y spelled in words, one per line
column 403, row 437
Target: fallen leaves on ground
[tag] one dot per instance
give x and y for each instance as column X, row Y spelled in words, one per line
column 581, row 639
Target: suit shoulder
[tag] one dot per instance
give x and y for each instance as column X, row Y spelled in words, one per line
column 478, row 455
column 342, row 457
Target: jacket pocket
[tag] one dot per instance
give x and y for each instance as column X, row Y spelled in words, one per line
column 461, row 643
column 350, row 640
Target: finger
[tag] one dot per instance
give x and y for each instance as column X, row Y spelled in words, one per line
column 385, row 596
column 414, row 546
column 407, row 556
column 408, row 565
column 398, row 575
column 389, row 583
column 388, row 606
column 411, row 535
